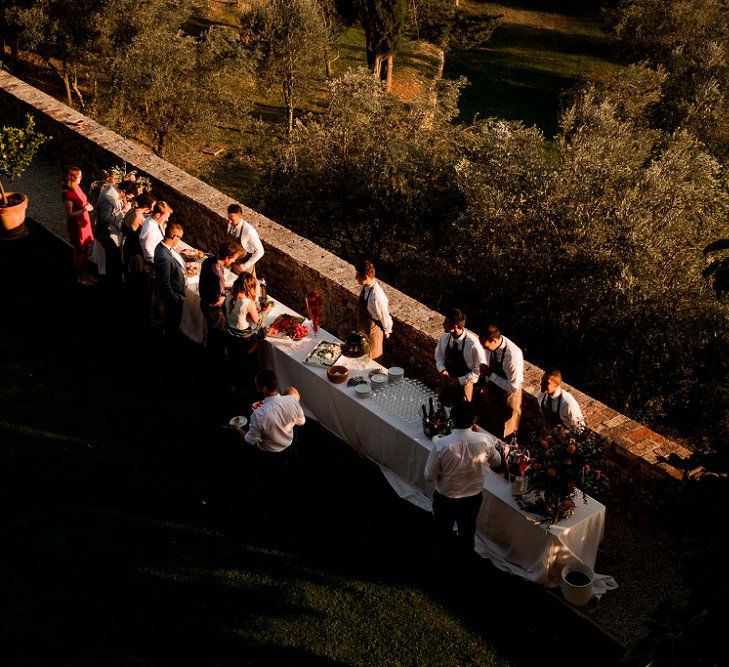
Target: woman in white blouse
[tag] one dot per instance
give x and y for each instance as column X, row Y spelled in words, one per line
column 240, row 304
column 244, row 320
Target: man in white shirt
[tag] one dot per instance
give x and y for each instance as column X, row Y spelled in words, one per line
column 153, row 229
column 272, row 422
column 244, row 232
column 502, row 376
column 558, row 406
column 458, row 358
column 457, row 464
column 373, row 313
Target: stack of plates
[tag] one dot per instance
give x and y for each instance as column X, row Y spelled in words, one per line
column 379, row 380
column 363, row 390
column 396, row 374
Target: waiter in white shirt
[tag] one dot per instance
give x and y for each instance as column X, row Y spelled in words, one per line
column 244, row 232
column 502, row 376
column 457, row 464
column 458, row 358
column 153, row 229
column 558, row 406
column 373, row 314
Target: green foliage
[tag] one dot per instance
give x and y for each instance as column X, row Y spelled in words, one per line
column 18, row 146
column 448, row 26
column 383, row 22
column 176, row 86
column 689, row 40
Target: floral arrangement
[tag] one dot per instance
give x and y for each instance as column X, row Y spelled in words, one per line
column 314, row 306
column 118, row 174
column 561, row 463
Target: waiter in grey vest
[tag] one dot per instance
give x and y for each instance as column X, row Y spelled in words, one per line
column 373, row 313
column 502, row 376
column 458, row 358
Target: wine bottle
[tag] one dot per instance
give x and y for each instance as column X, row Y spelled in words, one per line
column 431, row 412
column 263, row 299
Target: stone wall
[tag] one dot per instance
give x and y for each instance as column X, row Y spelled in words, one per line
column 293, row 265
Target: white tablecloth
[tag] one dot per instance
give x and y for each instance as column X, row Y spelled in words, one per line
column 505, row 534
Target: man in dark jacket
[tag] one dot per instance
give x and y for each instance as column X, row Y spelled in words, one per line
column 170, row 272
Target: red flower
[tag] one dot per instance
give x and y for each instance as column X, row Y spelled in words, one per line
column 597, row 474
column 544, row 444
column 587, row 469
column 570, row 486
column 571, row 449
column 552, row 472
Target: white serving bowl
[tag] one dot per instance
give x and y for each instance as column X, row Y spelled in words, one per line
column 396, row 374
column 379, row 380
column 363, row 390
column 239, row 422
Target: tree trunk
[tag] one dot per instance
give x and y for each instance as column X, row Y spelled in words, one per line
column 377, row 67
column 159, row 143
column 67, row 86
column 2, row 194
column 288, row 92
column 74, row 85
column 370, row 60
column 386, row 67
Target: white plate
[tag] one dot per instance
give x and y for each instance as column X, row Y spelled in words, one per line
column 363, row 390
column 396, row 374
column 238, row 422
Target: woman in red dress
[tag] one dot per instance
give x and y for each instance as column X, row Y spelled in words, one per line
column 78, row 222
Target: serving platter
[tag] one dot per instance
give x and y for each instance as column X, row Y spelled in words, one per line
column 324, row 355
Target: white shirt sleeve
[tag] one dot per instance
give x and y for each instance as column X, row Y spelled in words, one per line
column 432, row 466
column 253, row 436
column 440, row 354
column 513, row 368
column 299, row 418
column 378, row 307
column 571, row 413
column 149, row 238
column 253, row 246
column 473, row 354
column 494, row 458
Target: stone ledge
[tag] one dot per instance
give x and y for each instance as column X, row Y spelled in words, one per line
column 293, row 264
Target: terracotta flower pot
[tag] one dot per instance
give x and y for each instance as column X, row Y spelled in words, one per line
column 12, row 218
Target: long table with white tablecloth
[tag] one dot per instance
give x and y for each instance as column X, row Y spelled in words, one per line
column 512, row 539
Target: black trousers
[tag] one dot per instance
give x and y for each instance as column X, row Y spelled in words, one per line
column 461, row 511
column 171, row 318
column 217, row 336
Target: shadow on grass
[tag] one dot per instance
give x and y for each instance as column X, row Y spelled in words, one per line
column 144, row 533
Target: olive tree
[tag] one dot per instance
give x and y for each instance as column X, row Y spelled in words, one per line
column 288, row 39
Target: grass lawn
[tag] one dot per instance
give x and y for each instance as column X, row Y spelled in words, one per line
column 137, row 531
column 538, row 52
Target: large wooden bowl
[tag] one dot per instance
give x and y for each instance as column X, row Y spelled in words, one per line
column 337, row 374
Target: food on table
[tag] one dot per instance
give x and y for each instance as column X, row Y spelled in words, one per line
column 192, row 270
column 355, row 345
column 288, row 325
column 192, row 255
column 314, row 306
column 324, row 354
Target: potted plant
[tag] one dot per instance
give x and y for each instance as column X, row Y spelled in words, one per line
column 18, row 147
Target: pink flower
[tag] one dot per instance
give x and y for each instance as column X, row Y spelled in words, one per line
column 571, row 449
column 552, row 472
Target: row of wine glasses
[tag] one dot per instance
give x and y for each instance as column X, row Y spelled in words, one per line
column 404, row 399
